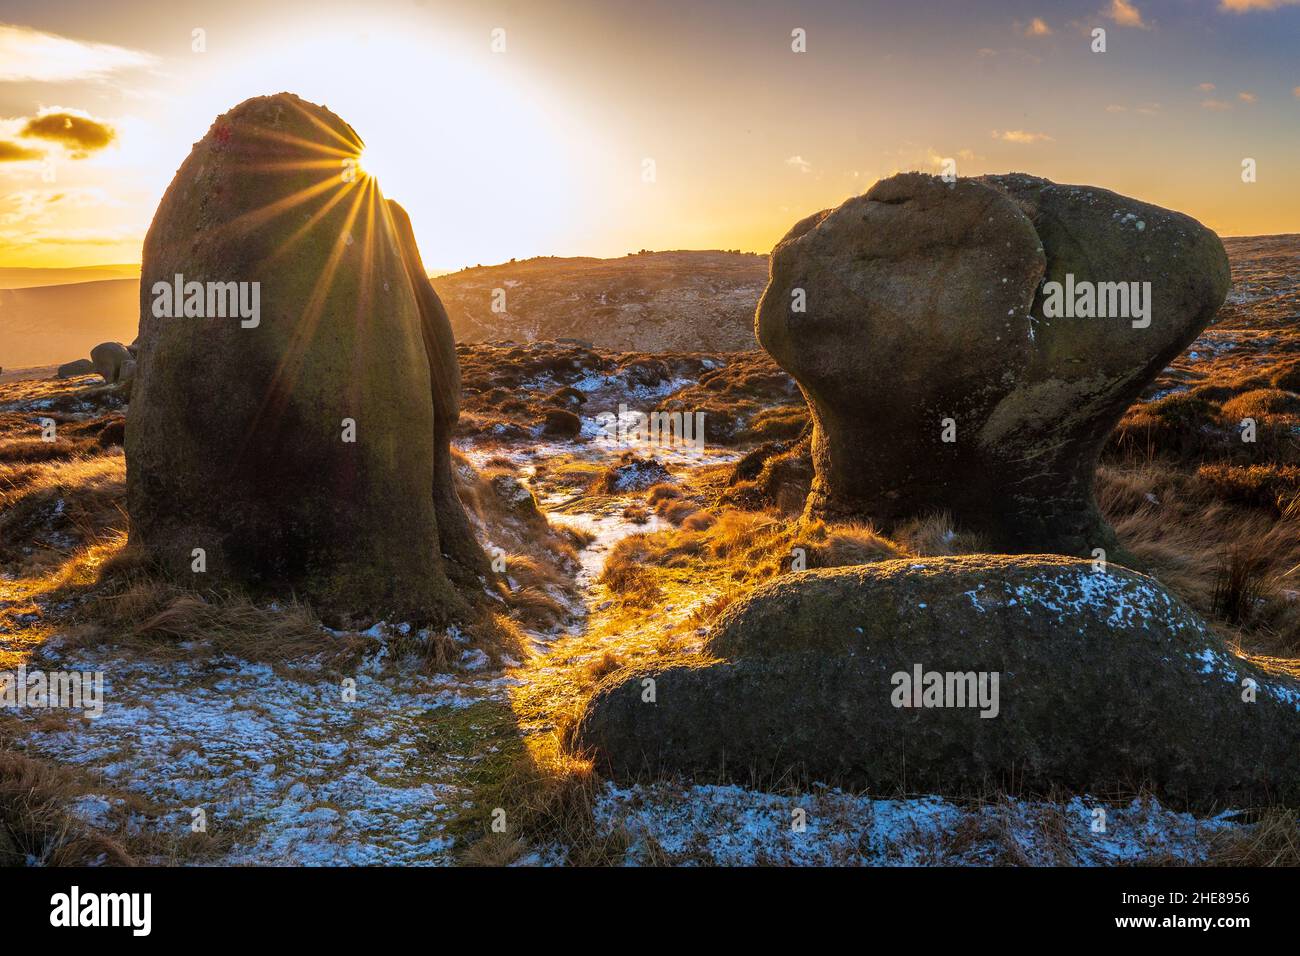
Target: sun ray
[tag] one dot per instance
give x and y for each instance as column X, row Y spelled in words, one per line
column 279, row 387
column 355, row 145
column 310, row 145
column 315, row 217
column 262, row 214
column 290, row 166
column 365, row 296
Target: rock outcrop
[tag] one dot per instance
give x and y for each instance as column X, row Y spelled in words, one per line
column 75, row 368
column 916, row 319
column 288, row 441
column 456, row 535
column 108, row 360
column 1050, row 673
column 649, row 302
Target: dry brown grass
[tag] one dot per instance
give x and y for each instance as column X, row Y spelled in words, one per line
column 1230, row 560
column 664, row 491
column 636, row 513
column 1260, row 403
column 935, row 536
column 34, row 821
column 32, row 450
column 1272, row 840
column 634, row 585
column 54, row 507
column 1240, row 585
column 150, row 617
column 734, row 550
column 540, row 559
column 1272, row 488
column 548, row 797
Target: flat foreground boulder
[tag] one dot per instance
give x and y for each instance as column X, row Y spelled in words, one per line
column 956, row 675
column 282, row 422
column 968, row 346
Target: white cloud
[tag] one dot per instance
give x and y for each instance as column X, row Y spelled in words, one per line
column 38, row 207
column 799, row 163
column 31, row 55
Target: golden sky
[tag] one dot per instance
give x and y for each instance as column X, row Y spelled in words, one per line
column 518, row 129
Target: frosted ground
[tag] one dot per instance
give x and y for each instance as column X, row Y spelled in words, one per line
column 287, row 768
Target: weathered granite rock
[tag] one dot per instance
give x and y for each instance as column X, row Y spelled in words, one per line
column 1104, row 682
column 936, row 377
column 295, row 446
column 456, row 535
column 78, row 367
column 108, row 359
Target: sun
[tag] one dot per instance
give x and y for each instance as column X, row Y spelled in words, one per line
column 369, row 164
column 472, row 150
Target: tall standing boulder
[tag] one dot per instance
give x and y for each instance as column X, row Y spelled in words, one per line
column 457, row 536
column 916, row 320
column 281, row 433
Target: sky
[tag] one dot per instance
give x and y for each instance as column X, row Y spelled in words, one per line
column 601, row 127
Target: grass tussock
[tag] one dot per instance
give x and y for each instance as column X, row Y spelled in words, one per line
column 1233, row 562
column 35, row 824
column 154, row 618
column 936, row 536
column 534, row 794
column 535, row 560
column 737, row 549
column 1240, row 585
column 1273, row 840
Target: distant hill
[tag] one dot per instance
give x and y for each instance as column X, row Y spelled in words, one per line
column 1265, row 292
column 652, row 301
column 53, row 324
column 20, row 278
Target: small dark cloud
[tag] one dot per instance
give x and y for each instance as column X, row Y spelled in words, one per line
column 16, row 152
column 80, row 135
